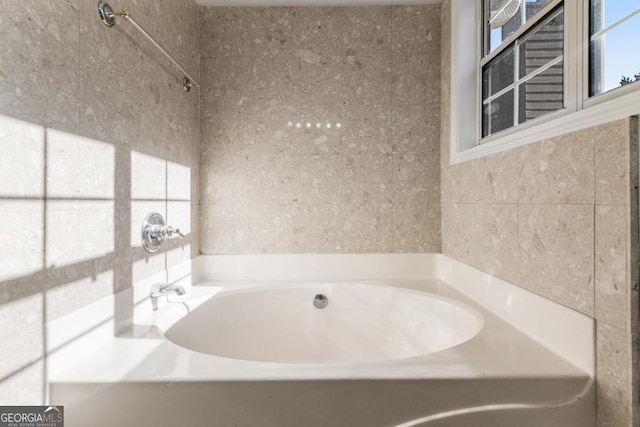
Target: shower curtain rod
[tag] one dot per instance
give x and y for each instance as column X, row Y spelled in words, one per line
column 108, row 17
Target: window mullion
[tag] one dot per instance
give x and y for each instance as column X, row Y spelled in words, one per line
column 516, row 79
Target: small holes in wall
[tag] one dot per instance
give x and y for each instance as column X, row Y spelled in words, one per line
column 309, row 125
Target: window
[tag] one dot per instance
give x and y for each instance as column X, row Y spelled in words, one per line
column 526, row 70
column 614, row 47
column 523, row 63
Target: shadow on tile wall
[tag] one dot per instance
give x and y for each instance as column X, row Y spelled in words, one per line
column 95, row 132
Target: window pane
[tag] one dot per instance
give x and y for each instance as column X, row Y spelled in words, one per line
column 498, row 74
column 541, row 94
column 614, row 54
column 498, row 114
column 506, row 16
column 607, row 12
column 542, row 45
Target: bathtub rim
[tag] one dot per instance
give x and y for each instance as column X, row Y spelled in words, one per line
column 85, row 350
column 565, row 331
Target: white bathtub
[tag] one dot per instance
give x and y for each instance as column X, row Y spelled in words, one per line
column 361, row 323
column 399, row 345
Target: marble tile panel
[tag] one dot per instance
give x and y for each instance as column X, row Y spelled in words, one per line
column 349, row 31
column 611, row 265
column 309, row 179
column 416, row 30
column 22, row 159
column 146, row 265
column 196, row 235
column 416, row 226
column 79, row 167
column 23, row 225
column 450, row 237
column 228, row 180
column 367, row 228
column 29, row 309
column 416, row 129
column 489, row 179
column 558, row 170
column 364, row 130
column 445, row 31
column 484, row 236
column 367, row 179
column 324, row 72
column 148, row 177
column 556, row 245
column 225, row 31
column 271, row 30
column 25, row 387
column 415, row 176
column 313, row 229
column 241, row 229
column 226, row 144
column 248, row 114
column 40, row 45
column 416, row 79
column 612, row 150
column 178, row 182
column 224, row 229
column 274, row 81
column 227, row 83
column 613, row 355
column 67, row 226
column 268, row 223
column 22, row 352
column 180, row 253
column 23, row 370
column 179, row 216
column 68, row 297
column 351, row 81
column 292, row 140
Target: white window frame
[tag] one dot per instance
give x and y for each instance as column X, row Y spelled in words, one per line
column 515, row 40
column 580, row 110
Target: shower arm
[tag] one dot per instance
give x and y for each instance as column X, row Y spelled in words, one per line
column 108, row 17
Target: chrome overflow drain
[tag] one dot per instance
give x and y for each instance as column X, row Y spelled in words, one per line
column 320, row 301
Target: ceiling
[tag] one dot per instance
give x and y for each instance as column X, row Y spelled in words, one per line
column 312, row 2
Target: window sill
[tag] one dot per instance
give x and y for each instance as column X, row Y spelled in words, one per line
column 555, row 124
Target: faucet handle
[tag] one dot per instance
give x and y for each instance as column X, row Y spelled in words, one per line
column 170, row 231
column 155, row 231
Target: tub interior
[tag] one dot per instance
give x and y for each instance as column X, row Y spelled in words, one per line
column 361, row 323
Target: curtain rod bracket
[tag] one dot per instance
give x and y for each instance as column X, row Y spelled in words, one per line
column 106, row 14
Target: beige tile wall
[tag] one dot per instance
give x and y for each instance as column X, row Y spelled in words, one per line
column 557, row 217
column 371, row 185
column 95, row 132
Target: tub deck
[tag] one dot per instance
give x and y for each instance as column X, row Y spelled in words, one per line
column 527, row 367
column 500, row 366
